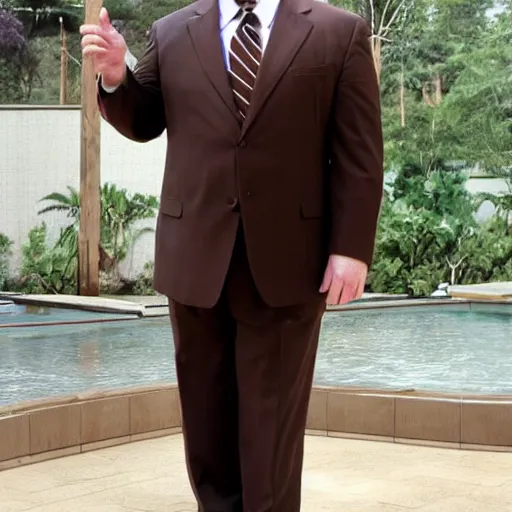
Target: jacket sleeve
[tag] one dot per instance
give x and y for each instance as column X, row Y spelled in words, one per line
column 136, row 108
column 356, row 166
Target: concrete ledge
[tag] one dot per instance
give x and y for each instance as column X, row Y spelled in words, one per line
column 95, row 304
column 36, row 431
column 500, row 291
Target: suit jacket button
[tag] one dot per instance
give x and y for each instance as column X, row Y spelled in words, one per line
column 233, row 203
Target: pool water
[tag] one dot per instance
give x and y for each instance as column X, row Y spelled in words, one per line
column 434, row 349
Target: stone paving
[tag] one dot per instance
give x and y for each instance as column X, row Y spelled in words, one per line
column 340, row 476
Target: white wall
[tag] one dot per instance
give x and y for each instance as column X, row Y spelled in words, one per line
column 40, row 154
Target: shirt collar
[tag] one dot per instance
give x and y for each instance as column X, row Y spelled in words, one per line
column 265, row 10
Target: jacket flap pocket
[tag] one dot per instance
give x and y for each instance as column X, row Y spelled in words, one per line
column 311, row 210
column 172, row 207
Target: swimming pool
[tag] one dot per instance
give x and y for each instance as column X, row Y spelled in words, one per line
column 439, row 349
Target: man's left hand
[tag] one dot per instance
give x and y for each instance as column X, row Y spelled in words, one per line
column 344, row 279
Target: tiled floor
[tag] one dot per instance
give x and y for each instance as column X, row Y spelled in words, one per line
column 340, row 476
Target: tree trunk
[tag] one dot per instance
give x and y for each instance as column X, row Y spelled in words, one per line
column 402, row 99
column 433, row 92
column 426, row 95
column 376, row 52
column 438, row 90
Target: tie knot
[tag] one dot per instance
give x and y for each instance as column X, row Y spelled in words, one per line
column 247, row 5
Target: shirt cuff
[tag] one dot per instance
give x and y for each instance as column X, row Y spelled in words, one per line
column 130, row 61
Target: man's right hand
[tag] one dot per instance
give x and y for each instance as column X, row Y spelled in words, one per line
column 107, row 48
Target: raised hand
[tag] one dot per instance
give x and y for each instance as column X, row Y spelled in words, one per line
column 107, row 48
column 344, row 279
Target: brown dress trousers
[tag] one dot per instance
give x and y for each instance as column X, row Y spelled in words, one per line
column 249, row 213
column 245, row 371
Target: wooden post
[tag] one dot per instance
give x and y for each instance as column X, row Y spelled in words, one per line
column 89, row 233
column 63, row 64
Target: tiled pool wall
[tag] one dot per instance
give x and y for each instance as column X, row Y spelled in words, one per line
column 37, row 431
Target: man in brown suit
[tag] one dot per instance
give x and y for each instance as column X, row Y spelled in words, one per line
column 269, row 206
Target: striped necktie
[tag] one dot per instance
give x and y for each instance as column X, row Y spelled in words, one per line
column 245, row 56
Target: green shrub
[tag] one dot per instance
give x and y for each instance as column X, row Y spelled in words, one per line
column 5, row 255
column 144, row 282
column 45, row 269
column 121, row 211
column 428, row 235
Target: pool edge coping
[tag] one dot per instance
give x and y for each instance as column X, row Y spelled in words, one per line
column 44, row 429
column 133, row 311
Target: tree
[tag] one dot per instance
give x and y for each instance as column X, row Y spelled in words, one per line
column 142, row 16
column 18, row 63
column 382, row 17
column 120, row 212
column 12, row 39
column 454, row 26
column 42, row 17
column 400, row 59
column 478, row 109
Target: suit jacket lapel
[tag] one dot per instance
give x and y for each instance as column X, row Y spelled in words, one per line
column 205, row 34
column 290, row 30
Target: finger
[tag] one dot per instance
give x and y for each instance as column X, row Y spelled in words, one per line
column 105, row 19
column 335, row 290
column 93, row 50
column 360, row 289
column 89, row 29
column 94, row 40
column 327, row 280
column 348, row 294
column 97, row 31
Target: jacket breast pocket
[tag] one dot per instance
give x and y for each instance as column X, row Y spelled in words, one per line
column 302, row 71
column 172, row 207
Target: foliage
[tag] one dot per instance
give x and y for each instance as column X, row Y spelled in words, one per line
column 143, row 17
column 478, row 110
column 445, row 87
column 428, row 235
column 120, row 214
column 45, row 269
column 69, row 204
column 12, row 39
column 18, row 62
column 144, row 282
column 112, row 283
column 5, row 254
column 41, row 22
column 41, row 18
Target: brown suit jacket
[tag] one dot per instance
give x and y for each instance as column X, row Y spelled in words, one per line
column 303, row 172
